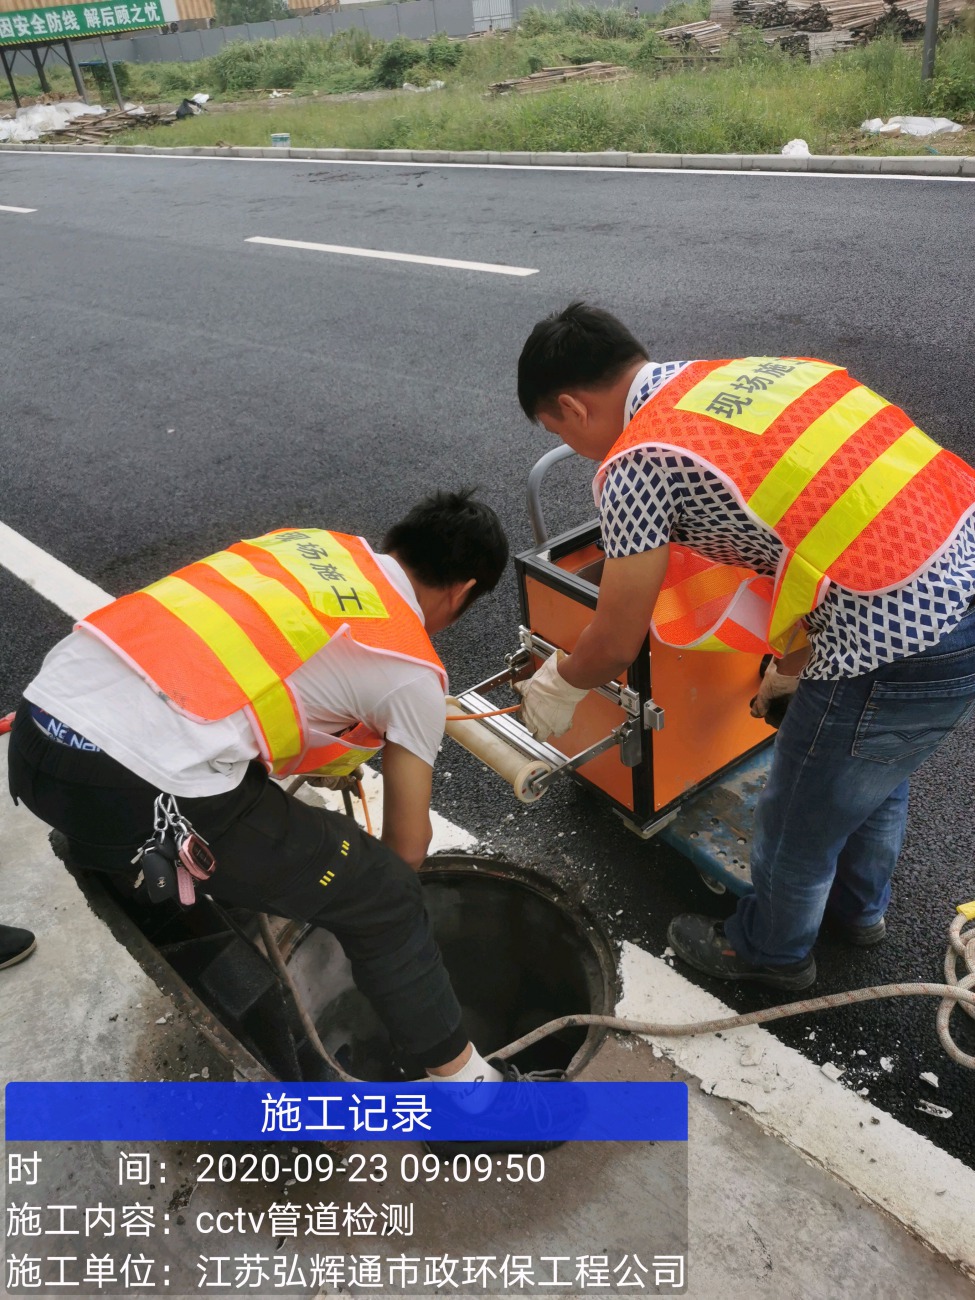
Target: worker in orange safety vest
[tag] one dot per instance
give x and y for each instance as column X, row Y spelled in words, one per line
column 773, row 504
column 300, row 651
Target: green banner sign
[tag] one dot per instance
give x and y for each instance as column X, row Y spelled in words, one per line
column 55, row 23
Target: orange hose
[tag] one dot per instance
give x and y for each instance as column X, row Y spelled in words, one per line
column 365, row 806
column 493, row 713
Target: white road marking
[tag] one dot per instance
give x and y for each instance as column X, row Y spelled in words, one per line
column 925, row 1188
column 51, row 579
column 6, row 208
column 492, row 268
column 523, row 167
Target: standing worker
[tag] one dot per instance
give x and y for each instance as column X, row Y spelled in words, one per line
column 298, row 651
column 773, row 503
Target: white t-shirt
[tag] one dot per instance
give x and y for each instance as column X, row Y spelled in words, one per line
column 88, row 687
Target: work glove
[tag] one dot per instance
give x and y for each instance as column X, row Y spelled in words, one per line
column 348, row 782
column 548, row 700
column 773, row 695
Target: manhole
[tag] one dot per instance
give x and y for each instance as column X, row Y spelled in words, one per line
column 518, row 955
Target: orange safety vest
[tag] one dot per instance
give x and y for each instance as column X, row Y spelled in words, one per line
column 856, row 494
column 227, row 632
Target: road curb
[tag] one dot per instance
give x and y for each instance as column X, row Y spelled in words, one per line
column 909, row 165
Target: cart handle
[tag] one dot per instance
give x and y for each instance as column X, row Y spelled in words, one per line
column 538, row 472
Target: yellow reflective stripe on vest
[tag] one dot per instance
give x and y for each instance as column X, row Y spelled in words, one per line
column 800, row 464
column 346, row 763
column 291, row 616
column 749, row 394
column 865, row 498
column 314, row 558
column 256, row 678
column 794, row 599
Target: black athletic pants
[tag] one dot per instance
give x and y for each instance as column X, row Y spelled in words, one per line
column 272, row 852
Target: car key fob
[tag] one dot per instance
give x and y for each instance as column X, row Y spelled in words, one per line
column 195, row 855
column 159, row 874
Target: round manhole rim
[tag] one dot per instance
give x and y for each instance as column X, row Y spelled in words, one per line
column 589, row 929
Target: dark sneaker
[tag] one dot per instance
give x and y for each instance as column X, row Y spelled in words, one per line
column 519, row 1104
column 15, row 945
column 860, row 936
column 701, row 942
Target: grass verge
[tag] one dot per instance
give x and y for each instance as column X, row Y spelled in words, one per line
column 752, row 106
column 752, row 101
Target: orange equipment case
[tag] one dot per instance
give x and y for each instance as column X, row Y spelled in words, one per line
column 692, row 706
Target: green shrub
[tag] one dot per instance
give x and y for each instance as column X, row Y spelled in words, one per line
column 184, row 78
column 951, row 93
column 443, row 54
column 266, row 65
column 648, row 51
column 748, row 46
column 891, row 78
column 395, row 60
column 238, row 66
column 682, row 11
column 336, row 79
column 354, row 45
column 538, row 22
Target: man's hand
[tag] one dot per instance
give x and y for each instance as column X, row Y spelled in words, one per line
column 775, row 686
column 548, row 701
column 348, row 782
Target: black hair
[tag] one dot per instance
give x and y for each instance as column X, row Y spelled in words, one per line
column 449, row 537
column 581, row 347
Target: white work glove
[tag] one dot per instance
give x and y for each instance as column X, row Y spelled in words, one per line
column 775, row 686
column 549, row 701
column 348, row 782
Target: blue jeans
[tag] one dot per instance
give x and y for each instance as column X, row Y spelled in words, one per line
column 830, row 823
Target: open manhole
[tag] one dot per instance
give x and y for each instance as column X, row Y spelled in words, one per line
column 517, row 953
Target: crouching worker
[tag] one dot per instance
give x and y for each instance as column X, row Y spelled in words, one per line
column 297, row 652
column 759, row 504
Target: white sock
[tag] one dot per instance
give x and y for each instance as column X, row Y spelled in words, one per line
column 477, row 1070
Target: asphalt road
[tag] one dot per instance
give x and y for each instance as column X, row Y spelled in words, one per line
column 168, row 387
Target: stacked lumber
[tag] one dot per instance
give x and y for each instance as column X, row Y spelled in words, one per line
column 824, row 44
column 705, row 36
column 816, row 17
column 767, row 13
column 814, row 46
column 818, row 29
column 96, row 130
column 546, row 78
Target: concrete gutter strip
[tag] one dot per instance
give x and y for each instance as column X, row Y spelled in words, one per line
column 910, row 165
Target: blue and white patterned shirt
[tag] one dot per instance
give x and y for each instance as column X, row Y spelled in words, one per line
column 651, row 499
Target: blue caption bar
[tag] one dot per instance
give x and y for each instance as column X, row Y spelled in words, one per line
column 251, row 1112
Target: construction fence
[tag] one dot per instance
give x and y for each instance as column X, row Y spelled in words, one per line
column 417, row 19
